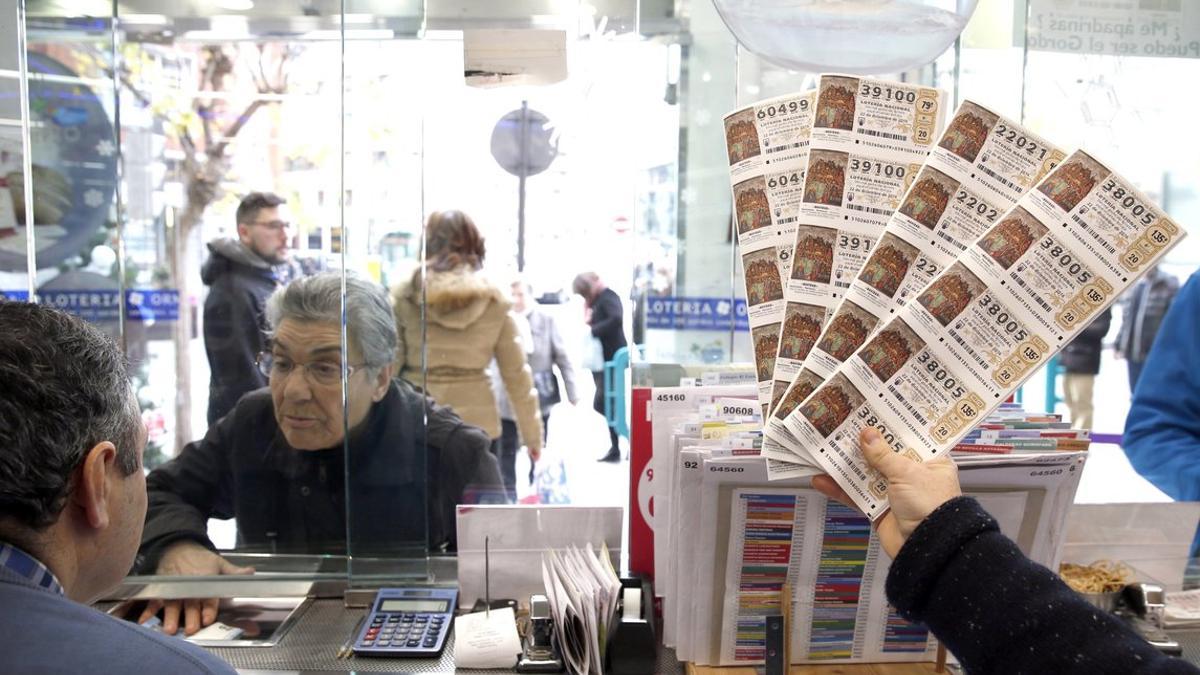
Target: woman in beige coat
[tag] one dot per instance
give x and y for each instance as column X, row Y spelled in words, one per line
column 467, row 324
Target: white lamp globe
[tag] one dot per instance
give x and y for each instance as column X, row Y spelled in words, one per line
column 859, row 37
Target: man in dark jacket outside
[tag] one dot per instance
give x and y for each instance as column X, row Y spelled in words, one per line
column 278, row 463
column 241, row 274
column 1081, row 360
column 607, row 319
column 1145, row 306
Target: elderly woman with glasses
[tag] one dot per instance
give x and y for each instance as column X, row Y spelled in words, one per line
column 278, row 462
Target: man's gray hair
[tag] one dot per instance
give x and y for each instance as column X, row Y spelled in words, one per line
column 64, row 388
column 370, row 323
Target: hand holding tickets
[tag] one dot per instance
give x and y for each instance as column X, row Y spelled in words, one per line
column 917, row 488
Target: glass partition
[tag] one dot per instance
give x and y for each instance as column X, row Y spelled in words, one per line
column 147, row 130
column 15, row 281
column 355, row 129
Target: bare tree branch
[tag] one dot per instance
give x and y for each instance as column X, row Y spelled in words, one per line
column 233, row 130
column 205, row 111
column 137, row 93
column 186, row 140
column 260, row 80
column 280, row 74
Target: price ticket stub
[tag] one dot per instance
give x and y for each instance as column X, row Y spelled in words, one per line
column 984, row 324
column 982, row 164
column 767, row 143
column 869, row 140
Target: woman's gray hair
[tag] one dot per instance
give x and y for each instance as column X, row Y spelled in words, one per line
column 318, row 298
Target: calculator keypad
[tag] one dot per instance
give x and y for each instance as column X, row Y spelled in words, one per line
column 405, row 630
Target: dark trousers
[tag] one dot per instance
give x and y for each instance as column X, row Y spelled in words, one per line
column 505, row 449
column 598, row 405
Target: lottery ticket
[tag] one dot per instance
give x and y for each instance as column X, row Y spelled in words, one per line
column 1049, row 265
column 767, row 144
column 982, row 164
column 868, row 142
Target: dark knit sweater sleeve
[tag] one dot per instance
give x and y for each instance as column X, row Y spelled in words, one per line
column 999, row 612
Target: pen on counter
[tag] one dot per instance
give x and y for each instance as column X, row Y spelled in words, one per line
column 347, row 649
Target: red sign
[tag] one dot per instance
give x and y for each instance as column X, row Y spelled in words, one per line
column 641, row 507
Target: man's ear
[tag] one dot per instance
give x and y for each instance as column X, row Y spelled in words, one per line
column 91, row 491
column 243, row 231
column 382, row 381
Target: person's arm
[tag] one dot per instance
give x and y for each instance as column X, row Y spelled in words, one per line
column 999, row 612
column 993, row 608
column 185, row 492
column 181, row 496
column 1162, row 431
column 518, row 382
column 560, row 357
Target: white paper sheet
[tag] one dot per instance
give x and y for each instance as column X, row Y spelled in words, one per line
column 487, row 639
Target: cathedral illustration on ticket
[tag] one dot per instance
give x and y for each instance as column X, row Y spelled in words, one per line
column 1012, row 237
column 766, row 341
column 812, row 259
column 752, row 209
column 801, row 328
column 831, row 405
column 762, row 277
column 741, row 137
column 825, row 181
column 890, row 349
column 888, row 265
column 836, row 103
column 1072, row 181
column 968, row 131
column 847, row 331
column 927, row 200
column 950, row 293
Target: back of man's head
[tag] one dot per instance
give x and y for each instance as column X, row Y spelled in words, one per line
column 64, row 393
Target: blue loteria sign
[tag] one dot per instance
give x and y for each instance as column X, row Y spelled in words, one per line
column 102, row 305
column 689, row 313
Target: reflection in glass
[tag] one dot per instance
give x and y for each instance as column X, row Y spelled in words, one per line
column 466, row 325
column 241, row 272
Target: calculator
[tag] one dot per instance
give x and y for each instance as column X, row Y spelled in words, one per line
column 407, row 622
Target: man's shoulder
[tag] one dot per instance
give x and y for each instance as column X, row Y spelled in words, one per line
column 254, row 407
column 44, row 632
column 1190, row 288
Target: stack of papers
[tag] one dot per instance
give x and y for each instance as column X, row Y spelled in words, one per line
column 583, row 590
column 736, row 536
column 1010, row 429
